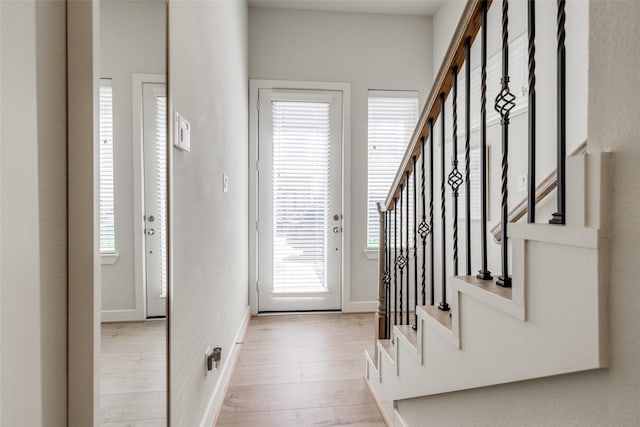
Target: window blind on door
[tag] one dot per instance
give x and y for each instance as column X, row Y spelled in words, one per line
column 300, row 180
column 107, row 204
column 392, row 119
column 161, row 187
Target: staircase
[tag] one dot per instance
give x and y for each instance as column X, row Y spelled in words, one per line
column 549, row 316
column 552, row 321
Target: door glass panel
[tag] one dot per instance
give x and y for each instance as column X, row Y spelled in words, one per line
column 300, row 190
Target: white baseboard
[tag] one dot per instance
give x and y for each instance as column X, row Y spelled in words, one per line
column 366, row 306
column 130, row 315
column 217, row 397
column 360, row 306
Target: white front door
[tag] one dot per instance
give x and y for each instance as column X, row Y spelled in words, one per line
column 299, row 200
column 155, row 196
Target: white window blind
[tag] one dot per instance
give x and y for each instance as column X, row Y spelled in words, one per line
column 301, row 156
column 161, row 190
column 107, row 205
column 392, row 119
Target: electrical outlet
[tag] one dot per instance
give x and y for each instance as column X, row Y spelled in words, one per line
column 522, row 183
column 225, row 182
column 206, row 360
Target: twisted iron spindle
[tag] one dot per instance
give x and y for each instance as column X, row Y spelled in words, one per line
column 432, row 278
column 467, row 150
column 395, row 258
column 415, row 249
column 407, row 241
column 484, row 273
column 423, row 228
column 389, row 267
column 443, row 297
column 559, row 215
column 402, row 261
column 505, row 101
column 386, row 278
column 455, row 177
column 531, row 204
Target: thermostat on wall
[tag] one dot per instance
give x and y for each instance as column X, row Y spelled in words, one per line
column 183, row 133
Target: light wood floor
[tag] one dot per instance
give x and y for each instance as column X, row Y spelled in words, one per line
column 302, row 370
column 133, row 374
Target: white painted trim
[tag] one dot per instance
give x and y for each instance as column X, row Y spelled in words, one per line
column 84, row 297
column 564, row 235
column 109, row 259
column 137, row 80
column 359, row 306
column 130, row 315
column 217, row 397
column 371, row 253
column 254, row 86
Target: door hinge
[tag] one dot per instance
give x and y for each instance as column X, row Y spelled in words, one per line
column 258, row 106
column 257, row 286
column 258, row 165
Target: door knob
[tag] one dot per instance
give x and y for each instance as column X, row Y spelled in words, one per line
column 336, row 229
column 151, row 231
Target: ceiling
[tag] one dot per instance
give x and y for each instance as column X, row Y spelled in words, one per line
column 393, row 7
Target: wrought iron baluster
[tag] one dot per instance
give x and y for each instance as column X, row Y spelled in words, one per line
column 385, row 277
column 423, row 228
column 415, row 248
column 407, row 242
column 455, row 177
column 432, row 278
column 559, row 215
column 402, row 261
column 531, row 204
column 505, row 101
column 443, row 297
column 484, row 273
column 395, row 261
column 467, row 151
column 388, row 330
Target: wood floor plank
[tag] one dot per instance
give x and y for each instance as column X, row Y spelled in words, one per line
column 133, row 406
column 133, row 374
column 358, row 415
column 317, row 394
column 302, row 370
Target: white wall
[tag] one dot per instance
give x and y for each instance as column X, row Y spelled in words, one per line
column 33, row 214
column 132, row 41
column 209, row 87
column 604, row 397
column 370, row 52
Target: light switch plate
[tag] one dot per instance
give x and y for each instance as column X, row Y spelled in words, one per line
column 183, row 133
column 522, row 183
column 225, row 182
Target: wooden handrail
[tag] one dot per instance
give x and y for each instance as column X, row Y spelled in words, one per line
column 542, row 190
column 468, row 27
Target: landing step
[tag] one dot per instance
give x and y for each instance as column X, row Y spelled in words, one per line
column 442, row 317
column 488, row 292
column 409, row 334
column 386, row 347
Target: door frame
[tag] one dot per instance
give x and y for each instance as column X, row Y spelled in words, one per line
column 140, row 285
column 254, row 87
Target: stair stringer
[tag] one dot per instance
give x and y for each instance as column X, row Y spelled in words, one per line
column 554, row 323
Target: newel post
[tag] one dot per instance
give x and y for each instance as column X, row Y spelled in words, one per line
column 381, row 314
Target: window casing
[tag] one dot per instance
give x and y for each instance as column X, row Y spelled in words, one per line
column 392, row 119
column 107, row 202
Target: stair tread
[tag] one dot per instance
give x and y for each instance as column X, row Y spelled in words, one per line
column 441, row 316
column 387, row 346
column 409, row 333
column 487, row 285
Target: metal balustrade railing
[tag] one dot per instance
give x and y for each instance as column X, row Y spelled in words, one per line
column 400, row 240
